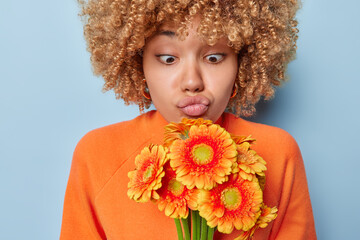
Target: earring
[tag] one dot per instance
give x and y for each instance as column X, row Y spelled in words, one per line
column 234, row 91
column 145, row 91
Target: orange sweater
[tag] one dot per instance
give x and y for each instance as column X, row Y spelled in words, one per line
column 97, row 207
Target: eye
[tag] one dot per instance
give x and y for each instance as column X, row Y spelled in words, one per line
column 167, row 59
column 215, row 58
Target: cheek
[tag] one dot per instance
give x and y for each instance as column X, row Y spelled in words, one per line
column 222, row 87
column 153, row 78
column 159, row 83
column 222, row 84
column 224, row 96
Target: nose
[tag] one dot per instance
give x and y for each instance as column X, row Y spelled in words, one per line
column 192, row 79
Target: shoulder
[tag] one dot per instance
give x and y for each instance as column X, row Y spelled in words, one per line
column 118, row 134
column 268, row 138
column 129, row 129
column 102, row 151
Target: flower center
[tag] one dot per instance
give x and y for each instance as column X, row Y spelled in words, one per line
column 148, row 173
column 202, row 153
column 231, row 197
column 175, row 187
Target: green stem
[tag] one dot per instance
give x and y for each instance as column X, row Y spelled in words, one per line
column 179, row 229
column 204, row 228
column 210, row 233
column 198, row 225
column 185, row 224
column 194, row 223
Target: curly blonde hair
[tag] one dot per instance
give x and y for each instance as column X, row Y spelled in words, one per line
column 262, row 32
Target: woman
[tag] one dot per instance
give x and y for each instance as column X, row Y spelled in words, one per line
column 192, row 59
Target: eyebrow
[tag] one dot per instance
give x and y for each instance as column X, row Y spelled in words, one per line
column 167, row 33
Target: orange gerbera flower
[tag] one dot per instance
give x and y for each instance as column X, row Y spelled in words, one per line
column 174, row 131
column 146, row 178
column 267, row 215
column 205, row 158
column 248, row 162
column 242, row 139
column 235, row 203
column 175, row 198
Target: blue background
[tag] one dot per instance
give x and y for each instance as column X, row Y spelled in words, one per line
column 49, row 99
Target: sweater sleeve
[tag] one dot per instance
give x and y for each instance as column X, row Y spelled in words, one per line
column 295, row 211
column 79, row 214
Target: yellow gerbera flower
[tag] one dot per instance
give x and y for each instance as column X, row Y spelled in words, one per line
column 235, row 203
column 267, row 215
column 205, row 158
column 175, row 198
column 248, row 162
column 146, row 178
column 174, row 131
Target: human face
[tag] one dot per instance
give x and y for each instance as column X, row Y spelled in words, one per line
column 188, row 78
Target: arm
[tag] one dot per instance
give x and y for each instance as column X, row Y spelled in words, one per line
column 79, row 215
column 295, row 211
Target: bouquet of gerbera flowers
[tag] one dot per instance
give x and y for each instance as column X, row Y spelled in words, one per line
column 204, row 177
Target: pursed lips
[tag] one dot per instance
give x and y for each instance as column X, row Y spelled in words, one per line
column 194, row 106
